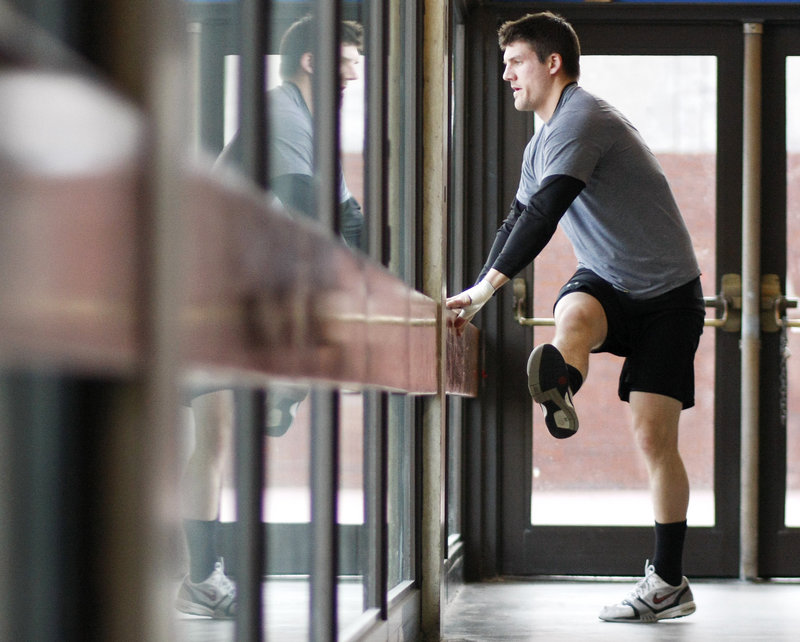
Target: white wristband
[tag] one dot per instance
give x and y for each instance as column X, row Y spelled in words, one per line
column 478, row 294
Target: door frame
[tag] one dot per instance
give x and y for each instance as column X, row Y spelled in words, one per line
column 778, row 545
column 513, row 546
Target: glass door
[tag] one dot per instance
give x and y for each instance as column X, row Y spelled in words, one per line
column 779, row 535
column 598, row 479
column 587, row 497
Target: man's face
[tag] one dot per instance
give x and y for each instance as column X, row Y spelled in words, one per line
column 529, row 78
column 348, row 65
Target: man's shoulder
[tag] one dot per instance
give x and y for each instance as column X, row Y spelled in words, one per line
column 287, row 101
column 580, row 103
column 584, row 115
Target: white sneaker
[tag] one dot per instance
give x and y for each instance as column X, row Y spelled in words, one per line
column 215, row 596
column 652, row 600
column 548, row 382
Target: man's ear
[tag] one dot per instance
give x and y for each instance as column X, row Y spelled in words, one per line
column 555, row 63
column 307, row 62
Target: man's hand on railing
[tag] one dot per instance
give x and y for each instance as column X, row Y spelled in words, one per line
column 468, row 303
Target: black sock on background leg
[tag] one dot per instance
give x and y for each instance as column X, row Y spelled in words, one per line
column 668, row 557
column 575, row 378
column 201, row 541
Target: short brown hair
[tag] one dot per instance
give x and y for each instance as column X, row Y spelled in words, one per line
column 546, row 33
column 301, row 38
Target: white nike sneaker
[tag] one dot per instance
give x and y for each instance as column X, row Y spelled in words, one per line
column 548, row 382
column 215, row 596
column 652, row 600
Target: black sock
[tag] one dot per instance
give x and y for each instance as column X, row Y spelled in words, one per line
column 201, row 541
column 575, row 378
column 668, row 558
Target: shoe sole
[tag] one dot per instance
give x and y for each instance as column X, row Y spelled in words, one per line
column 544, row 390
column 682, row 610
column 651, row 617
column 193, row 608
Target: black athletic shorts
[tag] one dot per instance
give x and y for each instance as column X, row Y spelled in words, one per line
column 658, row 337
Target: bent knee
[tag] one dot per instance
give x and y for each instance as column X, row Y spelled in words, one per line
column 580, row 317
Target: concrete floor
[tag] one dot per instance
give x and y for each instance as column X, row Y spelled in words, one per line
column 561, row 611
column 550, row 611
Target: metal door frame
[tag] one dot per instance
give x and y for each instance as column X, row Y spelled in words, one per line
column 515, row 547
column 777, row 545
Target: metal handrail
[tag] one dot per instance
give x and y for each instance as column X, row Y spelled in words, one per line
column 718, row 301
column 780, row 305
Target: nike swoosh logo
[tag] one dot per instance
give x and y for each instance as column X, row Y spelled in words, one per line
column 659, row 600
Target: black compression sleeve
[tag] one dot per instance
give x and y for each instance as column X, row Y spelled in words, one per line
column 527, row 229
column 501, row 237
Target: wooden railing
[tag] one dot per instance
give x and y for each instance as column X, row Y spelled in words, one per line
column 265, row 295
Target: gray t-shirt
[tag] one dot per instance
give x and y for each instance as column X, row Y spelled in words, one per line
column 624, row 225
column 292, row 136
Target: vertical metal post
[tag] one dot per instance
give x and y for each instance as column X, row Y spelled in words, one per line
column 249, row 439
column 376, row 156
column 254, row 32
column 376, row 457
column 250, row 404
column 324, row 403
column 194, row 39
column 378, row 246
column 751, row 301
column 143, row 453
column 38, row 444
column 435, row 98
column 325, row 103
column 324, row 539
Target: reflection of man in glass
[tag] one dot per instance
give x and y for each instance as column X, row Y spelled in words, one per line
column 206, row 590
column 291, row 142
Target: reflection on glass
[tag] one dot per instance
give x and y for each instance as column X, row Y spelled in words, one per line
column 402, row 128
column 454, row 463
column 399, row 501
column 208, row 508
column 793, row 288
column 599, row 478
column 350, row 507
column 291, row 122
column 354, row 553
column 288, row 496
column 287, row 511
column 290, row 87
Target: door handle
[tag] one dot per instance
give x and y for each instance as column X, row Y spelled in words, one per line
column 774, row 305
column 729, row 300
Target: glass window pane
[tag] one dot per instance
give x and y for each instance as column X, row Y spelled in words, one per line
column 287, row 510
column 793, row 288
column 454, row 469
column 401, row 490
column 402, row 130
column 350, row 508
column 598, row 476
column 208, row 506
column 401, row 204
